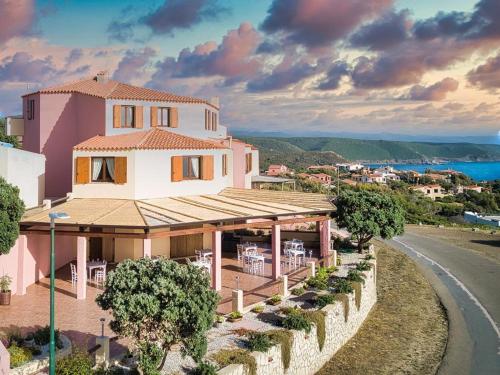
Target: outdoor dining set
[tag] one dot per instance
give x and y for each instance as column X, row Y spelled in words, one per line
column 96, row 272
column 203, row 260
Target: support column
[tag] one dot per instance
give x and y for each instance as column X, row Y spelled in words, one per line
column 237, row 300
column 217, row 260
column 81, row 267
column 22, row 247
column 325, row 235
column 146, row 248
column 276, row 251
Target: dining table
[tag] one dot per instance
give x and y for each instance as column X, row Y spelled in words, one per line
column 95, row 265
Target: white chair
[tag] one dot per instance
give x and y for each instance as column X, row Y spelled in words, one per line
column 239, row 251
column 74, row 275
column 198, row 255
column 99, row 277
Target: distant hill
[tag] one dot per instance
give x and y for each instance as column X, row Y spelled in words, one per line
column 304, row 151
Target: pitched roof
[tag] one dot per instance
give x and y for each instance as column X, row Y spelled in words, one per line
column 153, row 139
column 110, row 89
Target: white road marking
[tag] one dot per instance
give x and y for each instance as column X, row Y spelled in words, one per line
column 460, row 284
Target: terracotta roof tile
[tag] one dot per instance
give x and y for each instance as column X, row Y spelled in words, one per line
column 111, row 89
column 154, row 139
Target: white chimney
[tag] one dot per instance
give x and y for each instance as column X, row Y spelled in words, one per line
column 102, row 76
column 214, row 100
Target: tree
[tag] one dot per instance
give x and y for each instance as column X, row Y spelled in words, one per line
column 7, row 138
column 11, row 211
column 157, row 303
column 366, row 214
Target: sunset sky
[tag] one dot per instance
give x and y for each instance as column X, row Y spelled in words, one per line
column 407, row 67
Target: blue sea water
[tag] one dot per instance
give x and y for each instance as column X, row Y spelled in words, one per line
column 479, row 171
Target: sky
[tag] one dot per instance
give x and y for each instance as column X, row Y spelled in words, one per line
column 403, row 69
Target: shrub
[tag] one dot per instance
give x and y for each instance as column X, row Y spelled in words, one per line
column 258, row 309
column 297, row 320
column 342, row 285
column 204, row 368
column 355, row 275
column 42, row 337
column 19, row 355
column 363, row 266
column 285, row 339
column 325, row 299
column 14, row 337
column 11, row 209
column 150, row 356
column 258, row 341
column 317, row 282
column 369, row 257
column 330, row 270
column 5, row 282
column 298, row 291
column 275, row 299
column 235, row 315
column 227, row 357
column 318, row 318
column 289, row 309
column 78, row 362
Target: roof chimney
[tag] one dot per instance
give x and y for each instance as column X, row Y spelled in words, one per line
column 102, row 76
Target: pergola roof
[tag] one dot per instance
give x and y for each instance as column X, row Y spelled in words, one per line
column 229, row 204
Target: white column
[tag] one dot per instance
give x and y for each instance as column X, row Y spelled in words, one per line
column 22, row 248
column 237, row 300
column 81, row 267
column 146, row 248
column 276, row 251
column 217, row 260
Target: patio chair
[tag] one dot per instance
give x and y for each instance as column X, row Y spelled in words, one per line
column 239, row 251
column 198, row 255
column 99, row 277
column 74, row 275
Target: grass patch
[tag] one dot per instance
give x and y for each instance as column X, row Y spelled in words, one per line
column 345, row 301
column 285, row 338
column 358, row 288
column 226, row 357
column 406, row 331
column 318, row 318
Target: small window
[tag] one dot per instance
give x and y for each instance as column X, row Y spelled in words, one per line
column 164, row 116
column 127, row 116
column 31, row 109
column 103, row 169
column 224, row 165
column 191, row 167
column 248, row 162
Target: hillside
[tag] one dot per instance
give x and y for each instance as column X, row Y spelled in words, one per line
column 308, row 151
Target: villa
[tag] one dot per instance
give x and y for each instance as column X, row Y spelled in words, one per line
column 144, row 173
column 276, row 170
column 430, row 191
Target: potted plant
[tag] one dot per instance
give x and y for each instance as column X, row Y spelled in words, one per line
column 5, row 293
column 235, row 316
column 219, row 319
column 275, row 300
column 258, row 309
column 29, row 340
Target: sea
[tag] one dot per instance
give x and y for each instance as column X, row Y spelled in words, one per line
column 478, row 171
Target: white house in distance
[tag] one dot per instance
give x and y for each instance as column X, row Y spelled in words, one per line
column 431, row 191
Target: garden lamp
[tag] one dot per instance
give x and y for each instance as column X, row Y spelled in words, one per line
column 52, row 344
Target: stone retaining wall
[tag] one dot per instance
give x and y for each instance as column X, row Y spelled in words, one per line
column 306, row 358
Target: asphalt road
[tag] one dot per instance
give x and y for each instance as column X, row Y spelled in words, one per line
column 469, row 287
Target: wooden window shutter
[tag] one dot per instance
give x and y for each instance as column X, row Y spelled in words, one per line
column 117, row 112
column 138, row 117
column 82, row 170
column 173, row 120
column 224, row 165
column 154, row 117
column 207, row 167
column 206, row 119
column 120, row 170
column 214, row 121
column 209, row 125
column 176, row 174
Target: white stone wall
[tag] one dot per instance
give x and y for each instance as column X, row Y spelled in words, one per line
column 306, row 358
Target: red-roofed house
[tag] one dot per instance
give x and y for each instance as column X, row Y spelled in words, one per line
column 276, row 169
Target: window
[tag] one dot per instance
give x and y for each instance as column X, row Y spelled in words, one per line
column 191, row 167
column 127, row 116
column 214, row 121
column 163, row 116
column 31, row 109
column 248, row 162
column 224, row 165
column 103, row 169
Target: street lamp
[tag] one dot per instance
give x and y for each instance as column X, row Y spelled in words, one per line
column 52, row 345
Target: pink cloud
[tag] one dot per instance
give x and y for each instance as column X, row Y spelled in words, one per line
column 133, row 63
column 435, row 92
column 17, row 18
column 487, row 75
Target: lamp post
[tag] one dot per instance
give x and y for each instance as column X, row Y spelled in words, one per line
column 52, row 344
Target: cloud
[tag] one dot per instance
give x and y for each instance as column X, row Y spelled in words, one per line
column 182, row 14
column 435, row 92
column 487, row 75
column 281, row 78
column 482, row 23
column 233, row 58
column 18, row 18
column 338, row 70
column 317, row 23
column 132, row 64
column 74, row 55
column 121, row 30
column 22, row 67
column 388, row 30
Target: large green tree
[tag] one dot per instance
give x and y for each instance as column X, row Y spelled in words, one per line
column 366, row 214
column 157, row 303
column 11, row 211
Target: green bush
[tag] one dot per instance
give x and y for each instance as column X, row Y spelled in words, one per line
column 258, row 309
column 235, row 315
column 363, row 266
column 325, row 299
column 14, row 336
column 298, row 291
column 297, row 320
column 77, row 362
column 204, row 368
column 258, row 341
column 150, row 356
column 11, row 211
column 275, row 299
column 42, row 337
column 285, row 339
column 19, row 355
column 369, row 257
column 226, row 357
column 342, row 285
column 355, row 275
